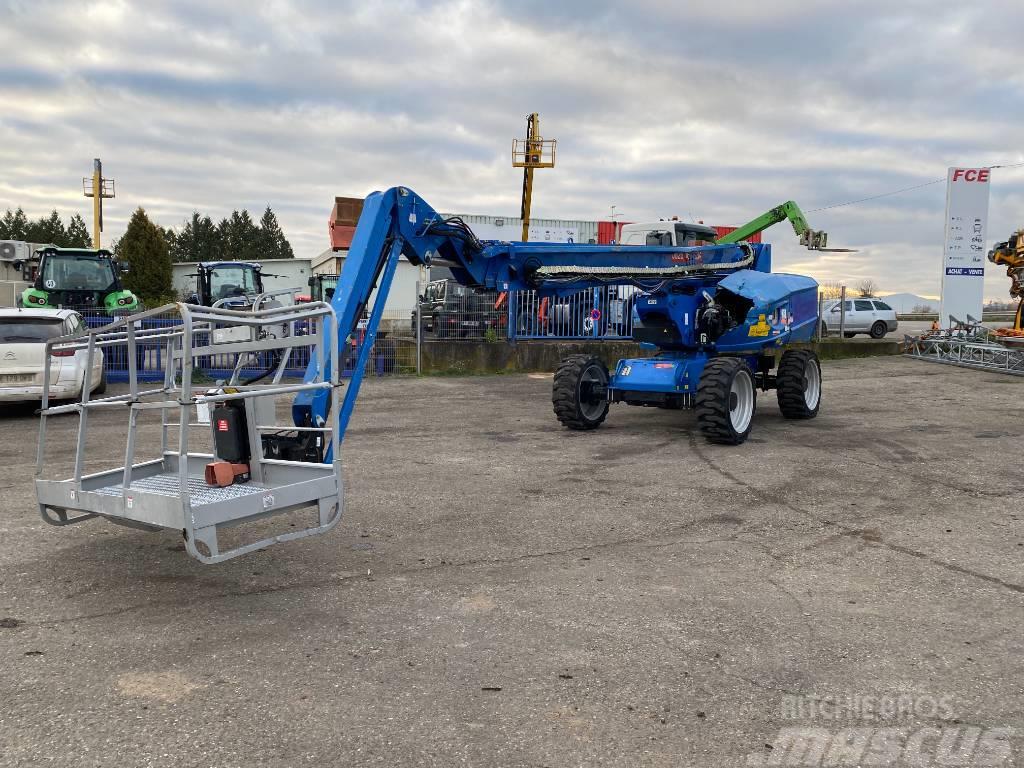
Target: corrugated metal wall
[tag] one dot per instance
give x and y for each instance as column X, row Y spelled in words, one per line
column 723, row 231
column 511, row 228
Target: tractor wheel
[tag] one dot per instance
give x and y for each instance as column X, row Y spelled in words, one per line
column 579, row 392
column 726, row 399
column 878, row 330
column 798, row 384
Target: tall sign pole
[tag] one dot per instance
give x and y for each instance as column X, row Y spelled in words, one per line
column 99, row 189
column 963, row 256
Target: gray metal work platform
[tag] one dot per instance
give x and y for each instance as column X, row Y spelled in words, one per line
column 169, row 493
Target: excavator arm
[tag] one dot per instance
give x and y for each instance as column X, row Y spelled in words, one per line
column 398, row 223
column 812, row 239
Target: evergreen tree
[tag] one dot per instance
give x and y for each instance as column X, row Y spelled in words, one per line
column 272, row 242
column 144, row 247
column 77, row 235
column 198, row 240
column 170, row 237
column 13, row 225
column 48, row 229
column 239, row 237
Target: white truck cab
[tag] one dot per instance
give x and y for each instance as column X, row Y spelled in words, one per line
column 667, row 232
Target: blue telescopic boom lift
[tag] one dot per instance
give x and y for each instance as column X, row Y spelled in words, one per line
column 715, row 314
column 719, row 322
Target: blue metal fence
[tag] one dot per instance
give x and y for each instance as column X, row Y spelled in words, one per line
column 386, row 356
column 605, row 312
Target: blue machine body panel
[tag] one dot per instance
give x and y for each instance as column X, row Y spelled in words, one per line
column 661, row 374
column 695, row 302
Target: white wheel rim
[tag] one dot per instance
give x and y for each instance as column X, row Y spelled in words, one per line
column 812, row 384
column 741, row 402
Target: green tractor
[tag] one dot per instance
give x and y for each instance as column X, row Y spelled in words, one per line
column 79, row 278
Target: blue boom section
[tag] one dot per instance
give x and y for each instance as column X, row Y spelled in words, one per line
column 696, row 301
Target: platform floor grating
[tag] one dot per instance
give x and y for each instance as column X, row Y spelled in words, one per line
column 199, row 492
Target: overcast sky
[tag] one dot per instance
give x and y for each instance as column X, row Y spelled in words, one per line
column 715, row 110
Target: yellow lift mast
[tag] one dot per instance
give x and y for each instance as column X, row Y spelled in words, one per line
column 99, row 189
column 528, row 154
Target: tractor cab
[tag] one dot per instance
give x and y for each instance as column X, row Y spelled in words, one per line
column 235, row 284
column 79, row 278
column 322, row 287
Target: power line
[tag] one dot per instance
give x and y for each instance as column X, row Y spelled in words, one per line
column 875, row 197
column 901, row 191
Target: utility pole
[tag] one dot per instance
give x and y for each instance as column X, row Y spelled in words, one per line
column 99, row 189
column 528, row 154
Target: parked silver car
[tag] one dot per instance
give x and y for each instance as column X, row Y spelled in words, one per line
column 23, row 337
column 871, row 316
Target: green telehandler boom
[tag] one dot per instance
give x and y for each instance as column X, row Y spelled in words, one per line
column 812, row 239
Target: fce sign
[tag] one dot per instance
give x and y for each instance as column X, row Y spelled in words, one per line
column 963, row 257
column 971, row 174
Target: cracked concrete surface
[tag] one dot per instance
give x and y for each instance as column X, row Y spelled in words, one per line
column 504, row 592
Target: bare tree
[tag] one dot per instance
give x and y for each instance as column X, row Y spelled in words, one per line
column 923, row 309
column 867, row 287
column 830, row 289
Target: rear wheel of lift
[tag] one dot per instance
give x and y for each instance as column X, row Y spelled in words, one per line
column 798, row 384
column 580, row 392
column 726, row 399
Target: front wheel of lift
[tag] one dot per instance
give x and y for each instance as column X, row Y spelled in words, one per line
column 580, row 392
column 798, row 384
column 726, row 399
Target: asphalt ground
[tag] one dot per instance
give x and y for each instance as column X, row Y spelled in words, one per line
column 503, row 592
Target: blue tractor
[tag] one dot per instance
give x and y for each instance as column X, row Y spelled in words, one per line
column 719, row 321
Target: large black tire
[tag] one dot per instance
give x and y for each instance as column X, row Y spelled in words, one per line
column 575, row 404
column 726, row 401
column 879, row 329
column 798, row 384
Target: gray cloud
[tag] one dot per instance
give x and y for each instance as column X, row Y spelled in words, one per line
column 661, row 108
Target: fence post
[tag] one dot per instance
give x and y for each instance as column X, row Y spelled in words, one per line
column 821, row 308
column 419, row 327
column 842, row 312
column 513, row 315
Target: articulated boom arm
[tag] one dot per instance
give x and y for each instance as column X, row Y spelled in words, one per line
column 398, row 223
column 814, row 240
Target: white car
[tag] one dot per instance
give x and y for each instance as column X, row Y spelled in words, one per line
column 871, row 316
column 23, row 335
